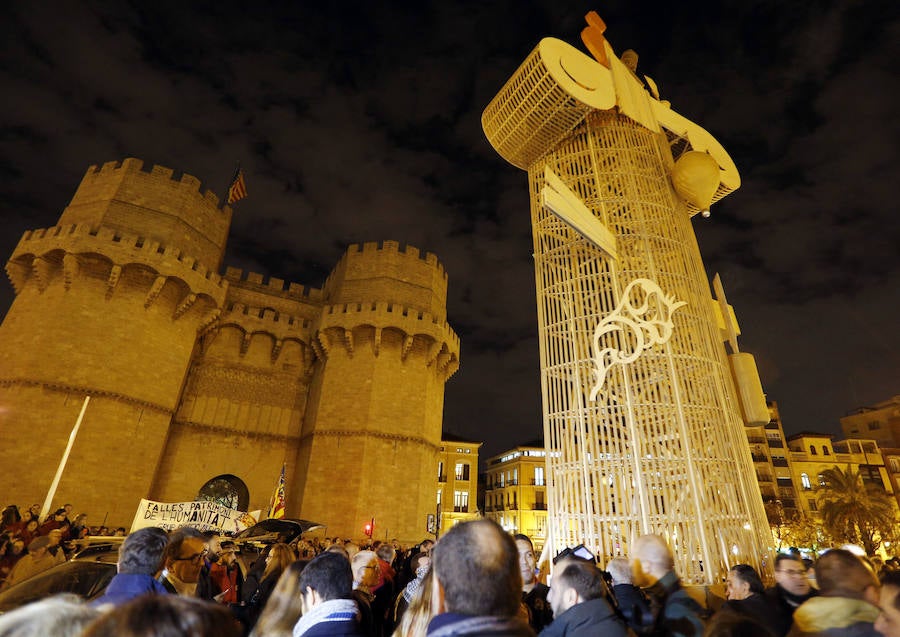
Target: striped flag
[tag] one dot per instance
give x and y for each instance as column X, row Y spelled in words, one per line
column 276, row 510
column 238, row 189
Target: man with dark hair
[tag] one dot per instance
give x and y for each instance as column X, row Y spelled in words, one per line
column 653, row 566
column 326, row 588
column 847, row 604
column 140, row 560
column 791, row 589
column 578, row 597
column 186, row 572
column 477, row 587
column 534, row 593
column 888, row 622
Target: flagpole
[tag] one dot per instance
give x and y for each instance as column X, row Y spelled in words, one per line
column 62, row 463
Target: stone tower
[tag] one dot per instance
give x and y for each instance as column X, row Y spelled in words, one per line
column 108, row 303
column 373, row 424
column 198, row 379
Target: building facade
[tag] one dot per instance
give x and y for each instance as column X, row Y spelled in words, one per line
column 879, row 422
column 457, row 482
column 515, row 491
column 812, row 453
column 204, row 384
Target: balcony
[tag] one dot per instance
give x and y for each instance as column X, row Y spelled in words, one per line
column 780, row 462
column 464, row 509
column 756, row 440
column 538, row 506
column 513, row 507
column 763, row 477
column 759, row 457
column 777, row 443
column 512, row 483
column 538, row 483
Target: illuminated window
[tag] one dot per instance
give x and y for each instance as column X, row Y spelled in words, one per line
column 461, row 501
column 804, row 480
column 539, row 476
column 439, row 494
column 462, row 470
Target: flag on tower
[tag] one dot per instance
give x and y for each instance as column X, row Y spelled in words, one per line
column 276, row 510
column 238, row 189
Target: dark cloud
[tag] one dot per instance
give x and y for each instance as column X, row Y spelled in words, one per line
column 361, row 122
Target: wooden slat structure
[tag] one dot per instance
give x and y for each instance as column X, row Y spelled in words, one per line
column 660, row 447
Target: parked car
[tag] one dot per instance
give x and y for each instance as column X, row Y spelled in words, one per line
column 87, row 575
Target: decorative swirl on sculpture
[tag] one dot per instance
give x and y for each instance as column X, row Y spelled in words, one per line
column 642, row 326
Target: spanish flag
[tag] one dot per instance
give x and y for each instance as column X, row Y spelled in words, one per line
column 276, row 510
column 238, row 189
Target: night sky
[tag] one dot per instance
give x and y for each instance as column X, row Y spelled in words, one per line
column 362, row 123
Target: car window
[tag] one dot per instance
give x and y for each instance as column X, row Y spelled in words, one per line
column 85, row 579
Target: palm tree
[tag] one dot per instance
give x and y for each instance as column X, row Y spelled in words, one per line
column 853, row 510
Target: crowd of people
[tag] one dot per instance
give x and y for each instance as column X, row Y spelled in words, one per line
column 476, row 580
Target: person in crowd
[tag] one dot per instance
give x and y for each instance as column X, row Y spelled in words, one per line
column 747, row 596
column 366, row 573
column 732, row 624
column 29, row 531
column 226, row 573
column 53, row 521
column 36, row 561
column 141, row 558
column 10, row 518
column 676, row 613
column 579, row 599
column 15, row 549
column 256, row 592
column 888, row 622
column 282, row 611
column 477, row 584
column 386, row 591
column 847, row 604
column 184, row 565
column 631, row 601
column 326, row 586
column 60, row 616
column 55, row 547
column 534, row 593
column 78, row 526
column 419, row 613
column 165, row 616
column 791, row 589
column 421, row 564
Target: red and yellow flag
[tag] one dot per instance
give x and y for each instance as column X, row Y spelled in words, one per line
column 276, row 510
column 238, row 189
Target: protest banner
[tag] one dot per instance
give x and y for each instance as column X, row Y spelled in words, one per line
column 201, row 515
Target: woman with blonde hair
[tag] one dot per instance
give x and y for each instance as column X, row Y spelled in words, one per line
column 283, row 608
column 414, row 622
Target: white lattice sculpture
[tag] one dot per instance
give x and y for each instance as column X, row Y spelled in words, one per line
column 641, row 422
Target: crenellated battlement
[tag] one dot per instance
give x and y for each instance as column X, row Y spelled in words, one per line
column 383, row 314
column 260, row 315
column 273, row 285
column 120, row 247
column 156, row 203
column 132, row 166
column 408, row 254
column 388, row 271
